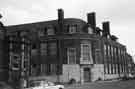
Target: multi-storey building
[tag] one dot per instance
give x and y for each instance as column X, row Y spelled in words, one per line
column 131, row 65
column 3, row 54
column 65, row 49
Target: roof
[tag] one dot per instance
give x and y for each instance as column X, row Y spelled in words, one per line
column 42, row 24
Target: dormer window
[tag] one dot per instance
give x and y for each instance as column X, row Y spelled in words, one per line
column 50, row 31
column 72, row 29
column 90, row 30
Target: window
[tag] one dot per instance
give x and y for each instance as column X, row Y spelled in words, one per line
column 113, row 68
column 112, row 50
column 15, row 62
column 50, row 31
column 109, row 50
column 115, row 52
column 90, row 30
column 53, row 68
column 86, row 52
column 43, row 68
column 41, row 32
column 110, row 68
column 105, row 69
column 72, row 29
column 43, row 48
column 52, row 48
column 49, row 69
column 105, row 49
column 71, row 52
column 119, row 53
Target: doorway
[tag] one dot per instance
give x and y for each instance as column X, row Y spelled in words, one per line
column 87, row 75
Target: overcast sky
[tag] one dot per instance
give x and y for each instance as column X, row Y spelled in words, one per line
column 120, row 13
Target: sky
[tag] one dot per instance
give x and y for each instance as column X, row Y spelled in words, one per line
column 120, row 13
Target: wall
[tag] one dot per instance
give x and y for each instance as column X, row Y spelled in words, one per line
column 52, row 78
column 97, row 71
column 71, row 71
column 111, row 76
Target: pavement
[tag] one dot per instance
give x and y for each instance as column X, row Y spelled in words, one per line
column 114, row 84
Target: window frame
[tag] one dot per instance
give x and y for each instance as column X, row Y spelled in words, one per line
column 90, row 30
column 82, row 51
column 72, row 29
column 68, row 54
column 50, row 31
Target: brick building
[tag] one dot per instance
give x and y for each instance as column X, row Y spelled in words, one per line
column 65, row 49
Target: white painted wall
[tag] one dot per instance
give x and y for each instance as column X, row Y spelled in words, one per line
column 97, row 71
column 70, row 71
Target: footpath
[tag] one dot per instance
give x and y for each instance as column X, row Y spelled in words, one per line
column 77, row 85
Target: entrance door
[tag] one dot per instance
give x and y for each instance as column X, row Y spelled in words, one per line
column 86, row 74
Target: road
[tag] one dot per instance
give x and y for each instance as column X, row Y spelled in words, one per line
column 129, row 84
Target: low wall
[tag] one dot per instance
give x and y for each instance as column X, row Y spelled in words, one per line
column 52, row 78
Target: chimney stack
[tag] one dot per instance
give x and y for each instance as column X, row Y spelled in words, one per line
column 60, row 14
column 91, row 18
column 106, row 28
column 60, row 20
